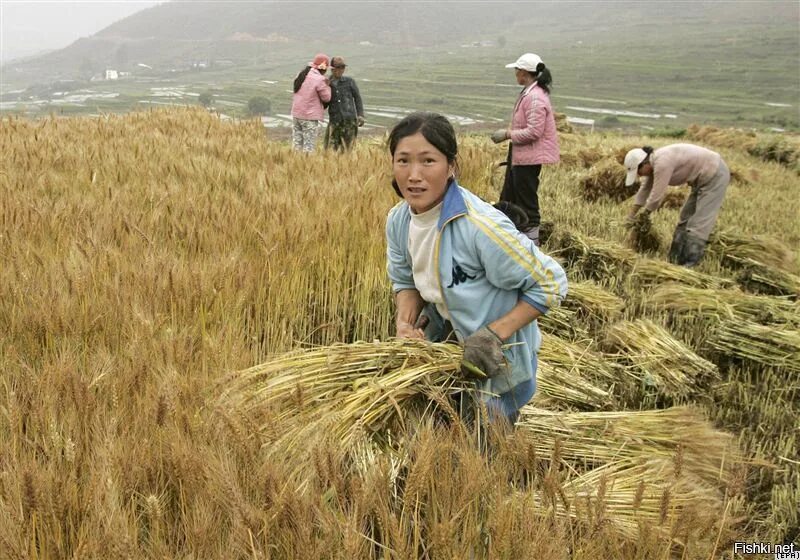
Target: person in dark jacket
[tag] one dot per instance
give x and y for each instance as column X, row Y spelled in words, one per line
column 346, row 111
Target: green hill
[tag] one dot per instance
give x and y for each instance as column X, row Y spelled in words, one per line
column 731, row 63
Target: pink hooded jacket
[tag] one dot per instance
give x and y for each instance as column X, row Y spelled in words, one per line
column 533, row 129
column 307, row 102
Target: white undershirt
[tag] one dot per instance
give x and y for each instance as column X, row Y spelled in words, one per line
column 422, row 234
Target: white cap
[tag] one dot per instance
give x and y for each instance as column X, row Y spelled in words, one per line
column 633, row 160
column 527, row 61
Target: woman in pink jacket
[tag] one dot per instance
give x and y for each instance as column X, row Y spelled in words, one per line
column 311, row 93
column 534, row 140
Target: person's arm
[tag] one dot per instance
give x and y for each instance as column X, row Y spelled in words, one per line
column 357, row 99
column 407, row 299
column 641, row 197
column 514, row 263
column 661, row 176
column 535, row 115
column 519, row 316
column 409, row 305
column 324, row 91
column 511, row 263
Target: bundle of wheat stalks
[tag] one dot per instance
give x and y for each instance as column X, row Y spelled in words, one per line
column 763, row 279
column 641, row 237
column 364, row 386
column 592, row 301
column 655, row 468
column 587, row 307
column 653, row 271
column 571, row 375
column 760, row 344
column 666, row 364
column 674, row 199
column 564, row 322
column 605, row 179
column 645, row 467
column 594, row 257
column 680, row 433
column 739, row 250
column 718, row 305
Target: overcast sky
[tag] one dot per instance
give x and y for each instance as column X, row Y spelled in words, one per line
column 31, row 26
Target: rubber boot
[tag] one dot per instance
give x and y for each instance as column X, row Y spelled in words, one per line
column 533, row 235
column 676, row 248
column 693, row 250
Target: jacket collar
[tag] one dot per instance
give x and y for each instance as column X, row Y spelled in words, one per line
column 453, row 205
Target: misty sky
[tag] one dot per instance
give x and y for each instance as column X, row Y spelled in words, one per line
column 30, row 26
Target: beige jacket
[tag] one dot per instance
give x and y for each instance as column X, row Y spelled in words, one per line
column 675, row 165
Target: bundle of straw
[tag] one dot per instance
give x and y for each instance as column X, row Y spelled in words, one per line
column 363, row 386
column 561, row 388
column 665, row 363
column 719, row 305
column 762, row 279
column 723, row 137
column 779, row 348
column 606, row 179
column 563, row 322
column 652, row 271
column 743, row 177
column 641, row 237
column 595, row 257
column 738, row 251
column 595, row 438
column 590, row 156
column 631, row 495
column 582, row 358
column 591, row 301
column 675, row 198
column 562, row 124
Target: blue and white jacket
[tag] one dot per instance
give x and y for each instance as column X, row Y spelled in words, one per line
column 485, row 267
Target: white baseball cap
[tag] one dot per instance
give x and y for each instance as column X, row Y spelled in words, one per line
column 527, row 61
column 633, row 159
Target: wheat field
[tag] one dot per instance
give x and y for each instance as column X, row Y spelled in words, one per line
column 145, row 259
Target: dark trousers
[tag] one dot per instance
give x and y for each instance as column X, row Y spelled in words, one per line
column 521, row 187
column 341, row 135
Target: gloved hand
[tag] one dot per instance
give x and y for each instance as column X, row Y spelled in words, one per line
column 499, row 135
column 483, row 349
column 635, row 218
column 360, row 121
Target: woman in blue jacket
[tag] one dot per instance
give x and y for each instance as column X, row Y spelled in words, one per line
column 463, row 264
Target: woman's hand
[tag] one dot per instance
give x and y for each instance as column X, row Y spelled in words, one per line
column 407, row 330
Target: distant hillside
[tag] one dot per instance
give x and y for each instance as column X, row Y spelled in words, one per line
column 174, row 32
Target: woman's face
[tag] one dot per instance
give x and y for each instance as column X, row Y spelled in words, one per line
column 645, row 169
column 421, row 172
column 521, row 76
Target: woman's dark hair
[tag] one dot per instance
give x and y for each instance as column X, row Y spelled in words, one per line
column 648, row 150
column 435, row 128
column 300, row 78
column 543, row 76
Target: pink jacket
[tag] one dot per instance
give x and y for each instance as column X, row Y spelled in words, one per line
column 533, row 129
column 307, row 102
